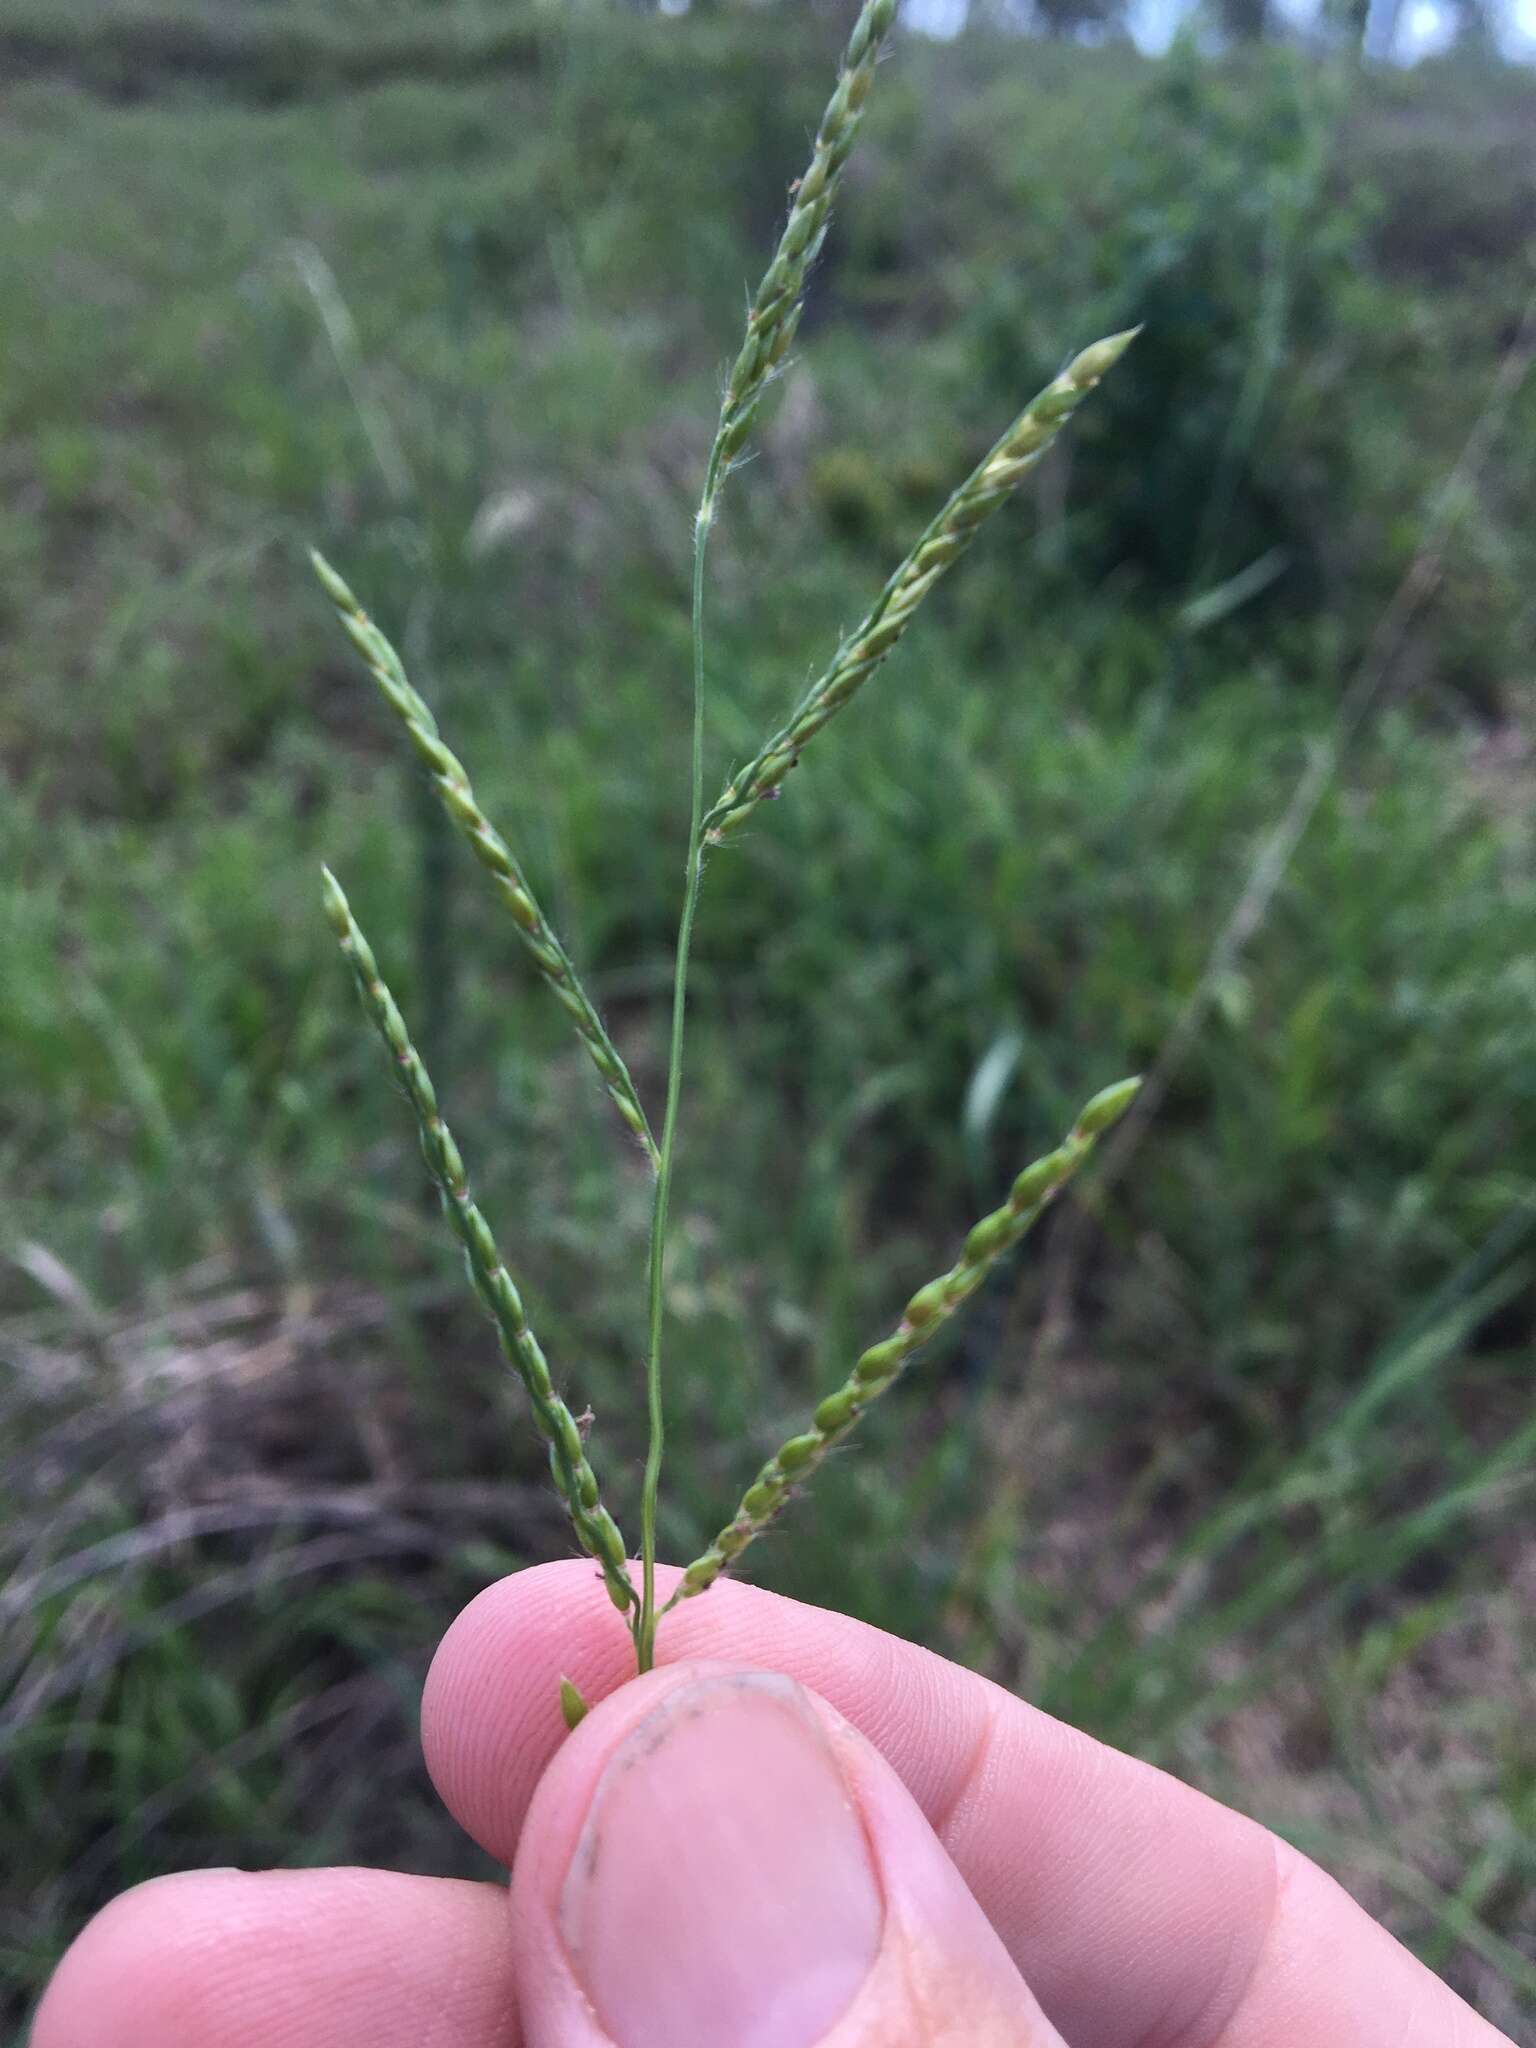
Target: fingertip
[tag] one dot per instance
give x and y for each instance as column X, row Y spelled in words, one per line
column 278, row 1959
column 716, row 1854
column 1072, row 1850
column 128, row 1963
column 490, row 1709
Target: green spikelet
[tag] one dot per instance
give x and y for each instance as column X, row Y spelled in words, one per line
column 573, row 1708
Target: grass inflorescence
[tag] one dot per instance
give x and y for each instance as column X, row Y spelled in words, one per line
column 772, row 321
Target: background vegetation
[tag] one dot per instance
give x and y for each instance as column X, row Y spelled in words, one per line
column 1234, row 1467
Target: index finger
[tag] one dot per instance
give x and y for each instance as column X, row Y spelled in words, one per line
column 1141, row 1913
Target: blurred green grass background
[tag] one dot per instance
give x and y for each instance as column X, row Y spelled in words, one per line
column 1234, row 1467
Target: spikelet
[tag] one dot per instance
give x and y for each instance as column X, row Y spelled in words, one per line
column 574, row 1478
column 573, row 1708
column 925, row 1313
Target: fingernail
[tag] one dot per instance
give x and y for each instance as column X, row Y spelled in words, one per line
column 722, row 1888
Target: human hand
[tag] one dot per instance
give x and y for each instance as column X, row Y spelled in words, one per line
column 796, row 1831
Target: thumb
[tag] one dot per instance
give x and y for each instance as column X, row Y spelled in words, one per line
column 715, row 1857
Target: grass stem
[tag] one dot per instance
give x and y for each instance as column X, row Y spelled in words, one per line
column 645, row 1621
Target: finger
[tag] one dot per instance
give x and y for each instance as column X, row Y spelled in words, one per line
column 1142, row 1914
column 288, row 1959
column 1134, row 1907
column 1332, row 1977
column 719, row 1857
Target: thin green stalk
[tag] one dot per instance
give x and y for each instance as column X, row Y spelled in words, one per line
column 878, row 1368
column 574, row 1478
column 645, row 1621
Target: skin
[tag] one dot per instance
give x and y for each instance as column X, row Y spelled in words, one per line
column 1037, row 1888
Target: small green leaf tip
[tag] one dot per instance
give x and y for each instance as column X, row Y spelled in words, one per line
column 334, row 899
column 330, row 582
column 1100, row 357
column 573, row 1708
column 1107, row 1107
